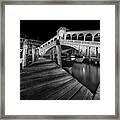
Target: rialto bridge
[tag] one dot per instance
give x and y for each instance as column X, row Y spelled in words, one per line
column 87, row 42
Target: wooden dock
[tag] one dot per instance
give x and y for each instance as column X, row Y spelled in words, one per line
column 45, row 80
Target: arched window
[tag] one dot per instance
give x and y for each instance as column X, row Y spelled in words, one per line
column 88, row 37
column 68, row 37
column 74, row 37
column 97, row 37
column 81, row 36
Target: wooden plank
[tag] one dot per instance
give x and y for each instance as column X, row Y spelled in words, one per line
column 48, row 73
column 97, row 94
column 80, row 95
column 46, row 83
column 28, row 71
column 60, row 93
column 59, row 89
column 43, row 91
column 43, row 95
column 71, row 93
column 42, row 80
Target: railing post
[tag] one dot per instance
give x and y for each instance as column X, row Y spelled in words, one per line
column 24, row 55
column 58, row 50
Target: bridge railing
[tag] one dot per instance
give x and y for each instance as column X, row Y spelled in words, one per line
column 88, row 43
column 75, row 43
column 47, row 44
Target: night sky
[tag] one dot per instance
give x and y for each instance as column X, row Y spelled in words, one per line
column 46, row 29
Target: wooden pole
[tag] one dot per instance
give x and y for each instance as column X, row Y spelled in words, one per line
column 89, row 52
column 58, row 50
column 33, row 53
column 37, row 54
column 51, row 54
column 96, row 52
column 86, row 51
column 53, row 50
column 24, row 55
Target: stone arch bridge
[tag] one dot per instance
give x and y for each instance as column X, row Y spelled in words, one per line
column 80, row 40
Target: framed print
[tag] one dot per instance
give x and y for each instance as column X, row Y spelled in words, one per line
column 59, row 59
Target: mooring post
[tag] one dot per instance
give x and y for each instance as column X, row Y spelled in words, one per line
column 96, row 52
column 79, row 51
column 33, row 53
column 53, row 51
column 89, row 55
column 37, row 54
column 51, row 54
column 89, row 52
column 58, row 50
column 24, row 55
column 86, row 52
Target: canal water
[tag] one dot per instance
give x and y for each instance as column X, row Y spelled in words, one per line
column 87, row 74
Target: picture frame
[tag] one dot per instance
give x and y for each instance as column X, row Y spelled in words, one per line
column 2, row 60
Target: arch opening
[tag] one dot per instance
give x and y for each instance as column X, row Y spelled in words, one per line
column 68, row 37
column 74, row 37
column 88, row 37
column 97, row 37
column 81, row 37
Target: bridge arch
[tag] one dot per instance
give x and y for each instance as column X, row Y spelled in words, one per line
column 50, row 46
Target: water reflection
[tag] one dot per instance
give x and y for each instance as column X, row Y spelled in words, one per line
column 87, row 74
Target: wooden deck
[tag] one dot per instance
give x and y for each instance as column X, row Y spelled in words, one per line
column 45, row 80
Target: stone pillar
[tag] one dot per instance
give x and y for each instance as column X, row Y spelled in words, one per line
column 58, row 50
column 33, row 53
column 24, row 55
